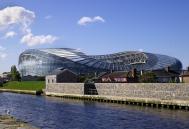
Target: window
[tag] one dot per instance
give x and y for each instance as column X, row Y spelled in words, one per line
column 52, row 80
column 48, row 81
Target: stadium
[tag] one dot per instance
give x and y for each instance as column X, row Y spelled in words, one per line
column 41, row 62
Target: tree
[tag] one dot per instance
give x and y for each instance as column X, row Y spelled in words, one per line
column 15, row 75
column 148, row 77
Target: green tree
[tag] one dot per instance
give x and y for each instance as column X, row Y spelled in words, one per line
column 148, row 77
column 15, row 75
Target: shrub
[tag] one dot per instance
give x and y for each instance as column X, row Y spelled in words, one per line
column 148, row 77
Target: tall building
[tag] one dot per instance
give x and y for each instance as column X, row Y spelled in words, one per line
column 41, row 62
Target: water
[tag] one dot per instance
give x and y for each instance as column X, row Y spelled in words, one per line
column 57, row 113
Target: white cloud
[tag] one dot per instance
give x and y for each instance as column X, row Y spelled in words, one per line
column 16, row 16
column 48, row 17
column 86, row 20
column 10, row 34
column 32, row 40
column 3, row 55
column 21, row 17
column 98, row 18
column 2, row 48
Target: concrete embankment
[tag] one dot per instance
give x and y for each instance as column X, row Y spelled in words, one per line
column 21, row 91
column 8, row 122
column 165, row 95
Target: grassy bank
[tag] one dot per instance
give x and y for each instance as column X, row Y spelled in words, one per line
column 24, row 85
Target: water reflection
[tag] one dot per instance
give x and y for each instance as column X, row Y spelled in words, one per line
column 59, row 113
column 160, row 112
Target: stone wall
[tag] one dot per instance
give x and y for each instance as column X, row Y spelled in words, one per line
column 65, row 88
column 162, row 91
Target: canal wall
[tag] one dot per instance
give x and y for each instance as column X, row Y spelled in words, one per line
column 171, row 94
column 20, row 91
column 163, row 91
column 65, row 88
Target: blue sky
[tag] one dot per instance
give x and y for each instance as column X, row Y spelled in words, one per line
column 157, row 26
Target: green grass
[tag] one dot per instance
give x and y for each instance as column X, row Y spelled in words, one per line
column 24, row 85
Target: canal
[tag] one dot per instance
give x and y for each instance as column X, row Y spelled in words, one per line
column 58, row 113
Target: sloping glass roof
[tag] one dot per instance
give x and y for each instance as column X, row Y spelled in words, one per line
column 122, row 61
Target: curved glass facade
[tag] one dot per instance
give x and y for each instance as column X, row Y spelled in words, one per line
column 41, row 62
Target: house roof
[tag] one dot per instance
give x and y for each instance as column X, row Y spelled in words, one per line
column 119, row 74
column 185, row 73
column 61, row 70
column 164, row 73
